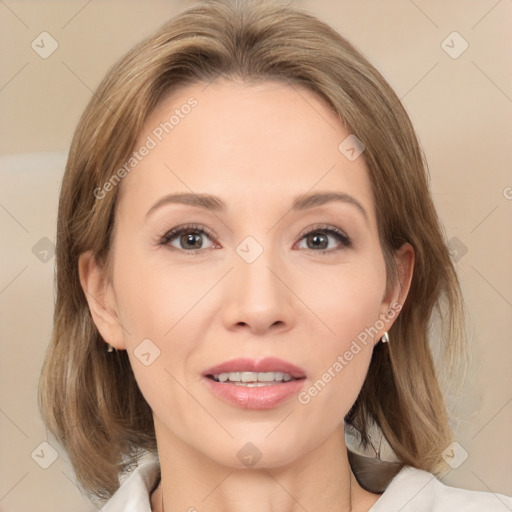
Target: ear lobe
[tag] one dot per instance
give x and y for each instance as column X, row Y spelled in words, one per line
column 100, row 298
column 404, row 258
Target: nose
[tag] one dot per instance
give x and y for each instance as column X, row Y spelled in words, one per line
column 258, row 297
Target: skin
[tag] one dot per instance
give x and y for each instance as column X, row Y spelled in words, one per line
column 256, row 147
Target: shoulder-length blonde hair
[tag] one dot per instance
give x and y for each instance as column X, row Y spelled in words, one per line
column 89, row 399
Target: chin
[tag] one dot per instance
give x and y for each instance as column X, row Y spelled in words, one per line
column 258, row 451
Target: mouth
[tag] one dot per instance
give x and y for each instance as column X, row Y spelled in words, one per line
column 255, row 384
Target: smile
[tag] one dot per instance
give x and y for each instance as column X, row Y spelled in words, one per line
column 254, row 384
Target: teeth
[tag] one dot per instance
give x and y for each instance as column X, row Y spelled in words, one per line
column 254, row 378
column 269, row 376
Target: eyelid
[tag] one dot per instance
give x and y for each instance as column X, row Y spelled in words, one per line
column 171, row 233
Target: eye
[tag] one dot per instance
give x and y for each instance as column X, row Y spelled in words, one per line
column 317, row 239
column 188, row 238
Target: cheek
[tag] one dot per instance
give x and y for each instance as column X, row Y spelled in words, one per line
column 347, row 298
column 155, row 304
column 341, row 361
column 153, row 295
column 348, row 303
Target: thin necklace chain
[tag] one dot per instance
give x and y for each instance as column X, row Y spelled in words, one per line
column 349, row 495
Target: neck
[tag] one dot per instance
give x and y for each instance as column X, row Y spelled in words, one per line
column 319, row 480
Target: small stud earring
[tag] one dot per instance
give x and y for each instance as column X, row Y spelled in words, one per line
column 385, row 338
column 110, row 348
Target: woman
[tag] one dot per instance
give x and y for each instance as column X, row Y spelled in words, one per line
column 248, row 259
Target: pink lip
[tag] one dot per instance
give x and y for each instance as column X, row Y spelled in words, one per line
column 264, row 397
column 268, row 364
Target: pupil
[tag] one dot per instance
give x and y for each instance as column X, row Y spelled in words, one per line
column 192, row 238
column 317, row 238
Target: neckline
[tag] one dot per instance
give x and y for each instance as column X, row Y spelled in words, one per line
column 381, row 500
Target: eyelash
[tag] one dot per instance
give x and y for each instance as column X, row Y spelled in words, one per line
column 330, row 230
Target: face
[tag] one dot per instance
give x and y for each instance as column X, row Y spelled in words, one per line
column 257, row 272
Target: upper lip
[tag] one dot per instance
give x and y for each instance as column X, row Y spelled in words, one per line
column 268, row 364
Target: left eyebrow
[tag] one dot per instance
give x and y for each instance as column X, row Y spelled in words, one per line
column 321, row 198
column 215, row 204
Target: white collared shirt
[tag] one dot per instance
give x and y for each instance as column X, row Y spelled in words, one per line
column 411, row 490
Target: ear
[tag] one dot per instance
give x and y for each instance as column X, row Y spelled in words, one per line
column 101, row 299
column 397, row 292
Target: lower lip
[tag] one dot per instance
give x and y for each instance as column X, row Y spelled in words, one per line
column 261, row 397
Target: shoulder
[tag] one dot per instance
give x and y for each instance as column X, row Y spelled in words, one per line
column 414, row 490
column 134, row 493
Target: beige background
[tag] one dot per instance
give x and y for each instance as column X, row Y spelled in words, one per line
column 462, row 110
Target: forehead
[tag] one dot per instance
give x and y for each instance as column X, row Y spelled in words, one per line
column 257, row 145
